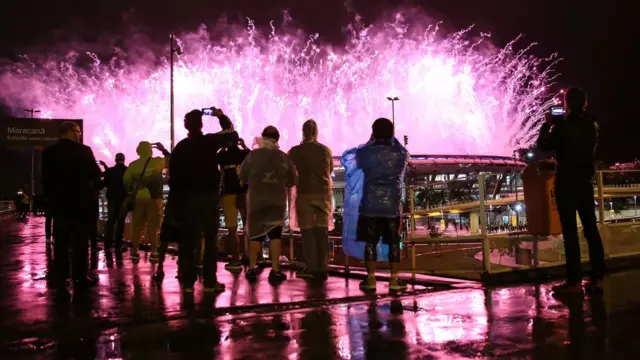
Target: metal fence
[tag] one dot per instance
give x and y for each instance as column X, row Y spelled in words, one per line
column 483, row 250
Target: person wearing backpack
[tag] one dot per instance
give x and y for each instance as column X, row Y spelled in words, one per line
column 143, row 178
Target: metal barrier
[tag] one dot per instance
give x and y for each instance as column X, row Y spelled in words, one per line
column 518, row 250
column 6, row 207
column 478, row 250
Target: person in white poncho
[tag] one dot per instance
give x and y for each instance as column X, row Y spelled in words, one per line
column 269, row 173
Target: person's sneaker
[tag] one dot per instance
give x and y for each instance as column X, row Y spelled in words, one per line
column 251, row 274
column 567, row 289
column 215, row 288
column 594, row 287
column 304, row 274
column 368, row 285
column 397, row 285
column 135, row 258
column 276, row 277
column 154, row 258
column 234, row 266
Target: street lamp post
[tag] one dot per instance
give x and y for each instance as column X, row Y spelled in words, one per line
column 173, row 49
column 515, row 181
column 393, row 108
column 33, row 156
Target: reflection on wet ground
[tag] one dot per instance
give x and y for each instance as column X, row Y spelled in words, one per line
column 129, row 317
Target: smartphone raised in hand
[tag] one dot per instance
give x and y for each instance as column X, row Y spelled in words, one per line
column 209, row 111
column 557, row 111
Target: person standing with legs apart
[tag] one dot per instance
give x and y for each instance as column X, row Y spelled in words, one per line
column 383, row 161
column 573, row 138
column 269, row 173
column 313, row 199
column 194, row 180
column 145, row 174
column 234, row 193
column 69, row 174
column 116, row 194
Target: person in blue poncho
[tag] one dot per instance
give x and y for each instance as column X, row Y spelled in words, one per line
column 382, row 161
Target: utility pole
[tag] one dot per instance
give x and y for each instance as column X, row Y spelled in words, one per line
column 393, row 108
column 33, row 156
column 173, row 49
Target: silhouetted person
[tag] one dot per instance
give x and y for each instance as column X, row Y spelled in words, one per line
column 234, row 194
column 69, row 174
column 269, row 173
column 383, row 161
column 573, row 138
column 314, row 164
column 194, row 180
column 116, row 194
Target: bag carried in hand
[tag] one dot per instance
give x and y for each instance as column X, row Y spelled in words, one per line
column 129, row 202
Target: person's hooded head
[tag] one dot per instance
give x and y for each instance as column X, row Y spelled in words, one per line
column 382, row 129
column 310, row 130
column 271, row 133
column 144, row 149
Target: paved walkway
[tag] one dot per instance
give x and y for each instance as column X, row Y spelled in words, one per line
column 130, row 317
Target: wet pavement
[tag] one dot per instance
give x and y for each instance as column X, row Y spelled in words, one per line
column 129, row 316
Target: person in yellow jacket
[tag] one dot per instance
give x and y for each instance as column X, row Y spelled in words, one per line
column 149, row 201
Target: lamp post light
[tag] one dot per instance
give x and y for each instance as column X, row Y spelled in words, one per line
column 393, row 108
column 33, row 161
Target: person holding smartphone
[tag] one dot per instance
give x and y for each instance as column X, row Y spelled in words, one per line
column 145, row 176
column 573, row 137
column 194, row 180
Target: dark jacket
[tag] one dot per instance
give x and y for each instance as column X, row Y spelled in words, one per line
column 70, row 177
column 194, row 163
column 113, row 182
column 573, row 139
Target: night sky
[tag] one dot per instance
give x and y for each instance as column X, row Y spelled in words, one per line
column 597, row 40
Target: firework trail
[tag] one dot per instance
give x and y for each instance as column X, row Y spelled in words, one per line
column 458, row 94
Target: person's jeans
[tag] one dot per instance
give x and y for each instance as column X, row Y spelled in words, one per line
column 115, row 224
column 198, row 215
column 577, row 195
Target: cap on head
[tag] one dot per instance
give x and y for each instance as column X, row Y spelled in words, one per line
column 310, row 129
column 193, row 121
column 382, row 129
column 119, row 157
column 271, row 132
column 575, row 99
